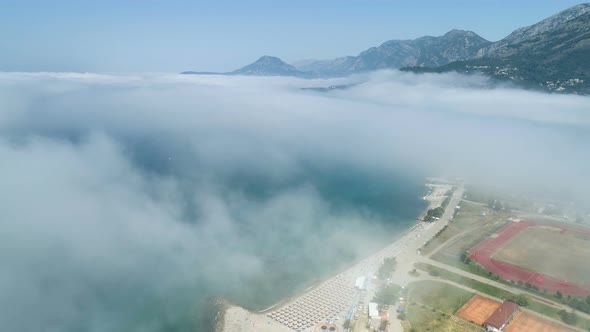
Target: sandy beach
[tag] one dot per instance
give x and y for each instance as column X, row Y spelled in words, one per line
column 336, row 298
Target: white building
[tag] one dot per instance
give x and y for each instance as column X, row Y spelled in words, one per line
column 373, row 312
column 360, row 283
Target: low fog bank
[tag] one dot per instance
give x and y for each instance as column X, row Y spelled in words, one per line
column 128, row 201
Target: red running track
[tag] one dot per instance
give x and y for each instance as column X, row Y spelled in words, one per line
column 482, row 253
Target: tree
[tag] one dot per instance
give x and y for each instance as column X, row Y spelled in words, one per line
column 491, row 203
column 520, row 299
column 465, row 258
column 580, row 305
column 438, row 212
column 387, row 268
column 346, row 323
column 434, row 213
column 570, row 318
column 498, row 206
column 387, row 294
column 447, row 200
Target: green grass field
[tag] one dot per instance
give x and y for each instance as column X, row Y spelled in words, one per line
column 467, row 218
column 550, row 252
column 430, row 304
column 423, row 319
column 474, row 228
column 443, row 297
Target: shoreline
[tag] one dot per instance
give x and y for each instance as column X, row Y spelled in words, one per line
column 226, row 323
column 222, row 307
column 244, row 319
column 418, row 220
column 344, row 269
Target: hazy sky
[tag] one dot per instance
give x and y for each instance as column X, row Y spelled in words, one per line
column 128, row 36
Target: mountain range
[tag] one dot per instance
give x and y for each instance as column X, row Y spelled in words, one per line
column 553, row 54
column 425, row 51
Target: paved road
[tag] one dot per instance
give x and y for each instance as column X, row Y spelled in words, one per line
column 452, row 240
column 407, row 258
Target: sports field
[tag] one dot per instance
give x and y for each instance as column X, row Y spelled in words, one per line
column 527, row 322
column 550, row 251
column 478, row 309
column 550, row 257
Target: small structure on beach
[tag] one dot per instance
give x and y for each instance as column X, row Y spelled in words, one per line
column 360, row 283
column 373, row 311
column 326, row 327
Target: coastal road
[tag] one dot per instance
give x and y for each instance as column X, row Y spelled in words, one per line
column 409, row 255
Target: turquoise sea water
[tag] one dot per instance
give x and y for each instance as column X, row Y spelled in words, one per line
column 384, row 207
column 387, row 203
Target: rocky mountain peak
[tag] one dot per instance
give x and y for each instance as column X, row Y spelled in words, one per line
column 269, row 66
column 458, row 32
column 572, row 21
column 267, row 59
column 550, row 23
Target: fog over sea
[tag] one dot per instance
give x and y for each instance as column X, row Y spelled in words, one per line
column 130, row 201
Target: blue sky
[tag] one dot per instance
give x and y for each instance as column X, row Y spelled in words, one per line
column 156, row 36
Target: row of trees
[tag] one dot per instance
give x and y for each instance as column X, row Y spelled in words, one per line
column 573, row 302
column 580, row 304
column 434, row 213
column 427, row 243
column 570, row 318
column 520, row 299
column 447, row 200
column 439, row 211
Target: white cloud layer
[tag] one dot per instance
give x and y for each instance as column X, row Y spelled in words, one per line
column 125, row 198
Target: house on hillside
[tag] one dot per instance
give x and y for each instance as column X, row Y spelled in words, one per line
column 501, row 317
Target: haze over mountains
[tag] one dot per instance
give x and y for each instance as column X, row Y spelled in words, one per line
column 265, row 66
column 425, row 51
column 551, row 54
